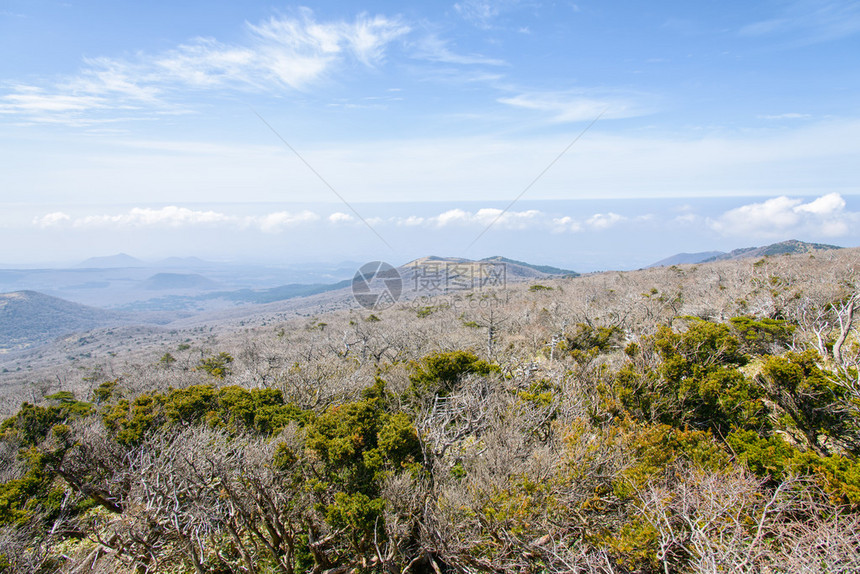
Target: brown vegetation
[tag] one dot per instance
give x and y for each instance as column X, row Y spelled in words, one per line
column 683, row 419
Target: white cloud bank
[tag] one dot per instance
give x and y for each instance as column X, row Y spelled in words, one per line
column 776, row 218
column 175, row 217
column 170, row 216
column 782, row 216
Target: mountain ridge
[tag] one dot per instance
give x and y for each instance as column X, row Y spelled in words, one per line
column 787, row 247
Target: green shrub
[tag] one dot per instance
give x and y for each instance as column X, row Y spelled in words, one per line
column 217, row 366
column 812, row 401
column 762, row 336
column 31, row 424
column 439, row 373
column 587, row 338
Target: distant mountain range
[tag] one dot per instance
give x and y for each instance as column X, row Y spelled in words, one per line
column 792, row 246
column 450, row 273
column 124, row 282
column 118, row 261
column 29, row 318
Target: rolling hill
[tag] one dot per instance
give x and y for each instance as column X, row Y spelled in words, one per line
column 687, row 258
column 28, row 319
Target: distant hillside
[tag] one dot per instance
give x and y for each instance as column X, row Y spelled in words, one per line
column 164, row 281
column 273, row 294
column 790, row 247
column 687, row 258
column 545, row 269
column 28, row 319
column 782, row 248
column 436, row 274
column 514, row 270
column 118, row 261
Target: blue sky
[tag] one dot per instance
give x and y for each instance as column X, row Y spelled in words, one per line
column 281, row 132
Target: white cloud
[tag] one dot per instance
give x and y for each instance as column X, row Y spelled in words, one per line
column 176, row 217
column 411, row 221
column 51, row 219
column 368, row 37
column 527, row 220
column 830, row 204
column 487, row 217
column 340, row 217
column 275, row 222
column 566, row 223
column 169, row 216
column 783, row 216
column 601, row 221
column 452, row 216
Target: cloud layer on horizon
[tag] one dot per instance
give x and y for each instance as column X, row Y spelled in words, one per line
column 775, row 218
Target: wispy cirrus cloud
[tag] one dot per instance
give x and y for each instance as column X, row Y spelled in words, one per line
column 285, row 53
column 576, row 106
column 786, row 116
column 435, row 49
column 810, row 21
column 825, row 216
column 483, row 13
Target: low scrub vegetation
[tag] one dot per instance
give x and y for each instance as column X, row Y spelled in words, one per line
column 561, row 439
